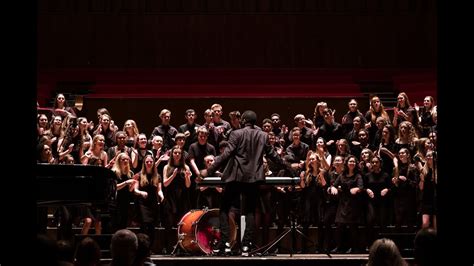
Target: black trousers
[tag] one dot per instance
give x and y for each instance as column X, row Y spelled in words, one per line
column 233, row 191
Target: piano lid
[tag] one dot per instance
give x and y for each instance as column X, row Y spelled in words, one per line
column 74, row 184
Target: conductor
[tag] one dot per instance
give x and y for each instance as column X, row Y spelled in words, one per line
column 242, row 175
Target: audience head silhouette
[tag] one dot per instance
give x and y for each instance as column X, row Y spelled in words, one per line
column 384, row 252
column 65, row 252
column 144, row 251
column 426, row 247
column 123, row 247
column 87, row 253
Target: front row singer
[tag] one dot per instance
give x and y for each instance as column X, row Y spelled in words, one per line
column 242, row 175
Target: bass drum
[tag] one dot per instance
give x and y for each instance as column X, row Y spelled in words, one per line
column 198, row 229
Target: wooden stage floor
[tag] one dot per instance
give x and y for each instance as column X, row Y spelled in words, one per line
column 274, row 260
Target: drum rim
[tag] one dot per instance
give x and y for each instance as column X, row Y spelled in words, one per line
column 179, row 230
column 205, row 211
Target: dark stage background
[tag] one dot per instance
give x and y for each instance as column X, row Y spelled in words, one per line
column 237, row 33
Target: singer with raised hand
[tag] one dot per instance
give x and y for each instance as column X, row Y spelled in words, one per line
column 242, row 175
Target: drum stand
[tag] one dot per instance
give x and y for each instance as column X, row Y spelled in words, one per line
column 177, row 250
column 175, row 247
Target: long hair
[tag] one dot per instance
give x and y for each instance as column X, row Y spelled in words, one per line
column 412, row 136
column 95, row 141
column 347, row 149
column 155, row 178
column 55, row 105
column 319, row 105
column 383, row 113
column 427, row 167
column 391, row 131
column 396, row 170
column 385, row 252
column 118, row 169
column 407, row 101
column 310, row 169
column 48, row 124
column 179, row 164
column 432, row 108
column 134, row 128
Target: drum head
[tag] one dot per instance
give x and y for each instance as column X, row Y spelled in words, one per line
column 208, row 232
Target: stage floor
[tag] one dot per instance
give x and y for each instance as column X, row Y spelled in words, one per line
column 274, row 260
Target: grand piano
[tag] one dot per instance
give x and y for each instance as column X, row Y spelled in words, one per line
column 59, row 185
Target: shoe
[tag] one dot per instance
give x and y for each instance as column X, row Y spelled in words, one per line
column 218, row 253
column 349, row 251
column 226, row 251
column 245, row 251
column 216, row 249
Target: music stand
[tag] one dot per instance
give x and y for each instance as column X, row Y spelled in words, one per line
column 293, row 229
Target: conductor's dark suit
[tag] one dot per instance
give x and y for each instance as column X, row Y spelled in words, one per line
column 242, row 174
